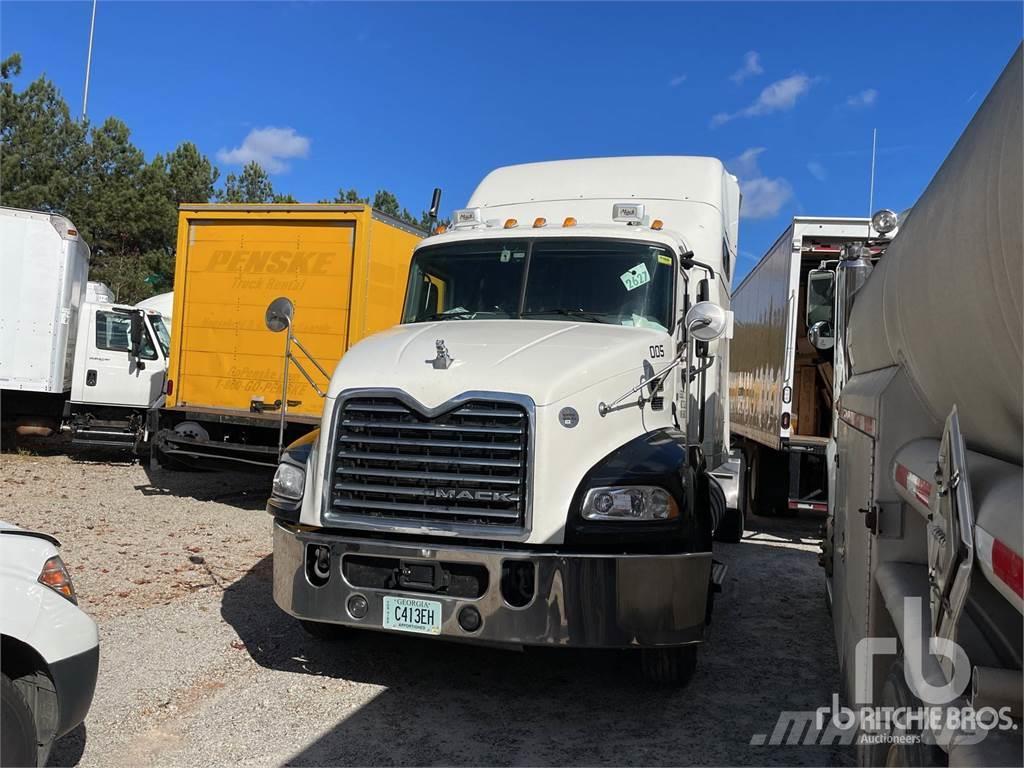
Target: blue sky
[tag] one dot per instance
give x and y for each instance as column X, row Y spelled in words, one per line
column 412, row 96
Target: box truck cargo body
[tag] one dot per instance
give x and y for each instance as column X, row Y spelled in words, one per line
column 780, row 386
column 45, row 266
column 344, row 268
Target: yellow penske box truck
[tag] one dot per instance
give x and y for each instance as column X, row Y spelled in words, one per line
column 340, row 269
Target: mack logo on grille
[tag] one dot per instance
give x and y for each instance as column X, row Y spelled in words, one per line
column 465, row 495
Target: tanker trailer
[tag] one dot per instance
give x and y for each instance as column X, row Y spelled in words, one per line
column 923, row 552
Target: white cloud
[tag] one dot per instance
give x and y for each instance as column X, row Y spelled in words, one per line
column 817, row 170
column 865, row 98
column 780, row 96
column 751, row 66
column 270, row 147
column 745, row 165
column 677, row 80
column 763, row 197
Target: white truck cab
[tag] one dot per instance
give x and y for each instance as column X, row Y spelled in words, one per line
column 120, row 371
column 526, row 459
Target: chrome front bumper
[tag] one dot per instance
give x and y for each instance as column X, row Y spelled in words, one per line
column 593, row 601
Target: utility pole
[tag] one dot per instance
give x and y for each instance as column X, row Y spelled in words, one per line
column 88, row 61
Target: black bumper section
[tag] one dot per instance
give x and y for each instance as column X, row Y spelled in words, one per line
column 74, row 679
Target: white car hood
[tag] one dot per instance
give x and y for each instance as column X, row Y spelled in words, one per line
column 547, row 360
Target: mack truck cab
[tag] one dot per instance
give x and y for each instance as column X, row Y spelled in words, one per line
column 528, row 457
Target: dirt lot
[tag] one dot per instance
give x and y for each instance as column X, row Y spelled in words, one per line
column 198, row 665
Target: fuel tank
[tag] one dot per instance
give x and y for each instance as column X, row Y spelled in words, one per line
column 945, row 302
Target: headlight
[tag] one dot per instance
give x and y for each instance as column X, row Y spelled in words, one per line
column 637, row 502
column 55, row 576
column 289, row 482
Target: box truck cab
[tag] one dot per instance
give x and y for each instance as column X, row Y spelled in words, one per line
column 526, row 458
column 120, row 372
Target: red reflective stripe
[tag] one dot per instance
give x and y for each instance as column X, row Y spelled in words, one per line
column 1008, row 566
column 921, row 489
column 858, row 421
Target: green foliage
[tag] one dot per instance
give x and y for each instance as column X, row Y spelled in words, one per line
column 252, row 186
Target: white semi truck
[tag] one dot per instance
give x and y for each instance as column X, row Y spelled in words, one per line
column 526, row 459
column 90, row 365
column 781, row 388
column 926, row 531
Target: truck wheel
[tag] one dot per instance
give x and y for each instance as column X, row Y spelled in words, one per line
column 669, row 667
column 18, row 737
column 896, row 693
column 321, row 630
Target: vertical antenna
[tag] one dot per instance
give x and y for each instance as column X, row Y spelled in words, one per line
column 88, row 61
column 871, row 192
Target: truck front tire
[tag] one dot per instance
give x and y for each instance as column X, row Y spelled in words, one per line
column 18, row 737
column 669, row 667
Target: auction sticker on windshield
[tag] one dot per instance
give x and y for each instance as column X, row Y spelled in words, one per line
column 410, row 615
column 635, row 277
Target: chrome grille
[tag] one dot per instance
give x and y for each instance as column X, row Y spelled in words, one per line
column 465, row 466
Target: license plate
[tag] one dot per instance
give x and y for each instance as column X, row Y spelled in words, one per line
column 410, row 615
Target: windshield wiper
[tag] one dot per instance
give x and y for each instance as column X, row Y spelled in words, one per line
column 581, row 314
column 462, row 314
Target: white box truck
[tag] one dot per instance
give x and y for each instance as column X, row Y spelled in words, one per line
column 923, row 555
column 94, row 366
column 526, row 459
column 780, row 386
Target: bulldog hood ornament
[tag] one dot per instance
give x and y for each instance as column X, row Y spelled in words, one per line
column 443, row 361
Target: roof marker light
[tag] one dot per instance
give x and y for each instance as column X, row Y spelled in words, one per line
column 539, row 222
column 441, row 229
column 570, row 221
column 657, row 224
column 511, row 223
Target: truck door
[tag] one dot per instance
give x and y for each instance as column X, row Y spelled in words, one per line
column 112, row 375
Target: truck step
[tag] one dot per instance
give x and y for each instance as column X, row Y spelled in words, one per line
column 718, row 574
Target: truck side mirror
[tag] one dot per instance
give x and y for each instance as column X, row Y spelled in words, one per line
column 135, row 335
column 820, row 335
column 821, row 297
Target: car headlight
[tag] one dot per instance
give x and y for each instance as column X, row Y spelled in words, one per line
column 635, row 502
column 289, row 482
column 55, row 576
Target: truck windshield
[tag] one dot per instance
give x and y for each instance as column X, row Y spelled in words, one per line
column 602, row 281
column 163, row 336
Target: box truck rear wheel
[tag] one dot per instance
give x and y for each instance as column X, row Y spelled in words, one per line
column 669, row 667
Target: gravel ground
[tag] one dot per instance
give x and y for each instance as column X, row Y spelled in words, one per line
column 198, row 666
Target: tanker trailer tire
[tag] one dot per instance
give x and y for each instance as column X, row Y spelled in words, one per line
column 322, row 630
column 896, row 693
column 18, row 738
column 669, row 667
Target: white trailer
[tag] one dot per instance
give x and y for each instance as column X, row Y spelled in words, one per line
column 45, row 269
column 781, row 389
column 926, row 535
column 91, row 365
column 526, row 459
